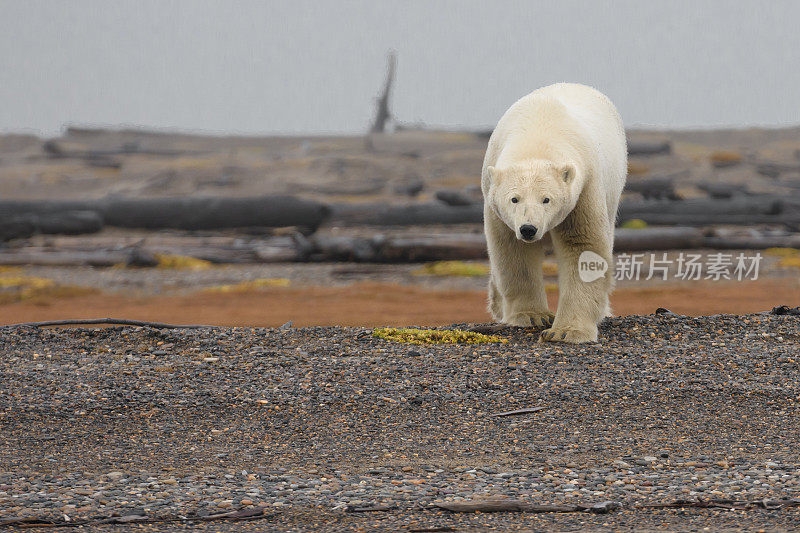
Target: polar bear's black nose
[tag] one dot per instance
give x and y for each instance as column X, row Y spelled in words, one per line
column 527, row 231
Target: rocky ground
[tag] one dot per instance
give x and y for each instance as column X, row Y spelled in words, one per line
column 333, row 429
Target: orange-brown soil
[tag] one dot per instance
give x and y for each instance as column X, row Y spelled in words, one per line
column 370, row 304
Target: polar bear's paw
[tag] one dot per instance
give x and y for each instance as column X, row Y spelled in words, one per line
column 528, row 319
column 570, row 335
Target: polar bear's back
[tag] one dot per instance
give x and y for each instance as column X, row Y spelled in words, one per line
column 598, row 115
column 592, row 110
column 588, row 105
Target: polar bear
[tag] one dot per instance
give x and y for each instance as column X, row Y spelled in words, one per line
column 556, row 164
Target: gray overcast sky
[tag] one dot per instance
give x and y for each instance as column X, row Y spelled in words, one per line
column 316, row 66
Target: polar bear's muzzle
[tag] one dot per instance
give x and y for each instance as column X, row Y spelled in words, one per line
column 527, row 232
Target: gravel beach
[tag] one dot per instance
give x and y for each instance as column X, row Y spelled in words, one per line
column 333, row 429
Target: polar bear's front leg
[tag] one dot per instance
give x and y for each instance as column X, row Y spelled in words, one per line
column 495, row 301
column 582, row 304
column 517, row 283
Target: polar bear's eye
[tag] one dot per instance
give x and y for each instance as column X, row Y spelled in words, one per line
column 546, row 201
column 514, row 200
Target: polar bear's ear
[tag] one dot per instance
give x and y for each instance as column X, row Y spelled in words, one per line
column 567, row 171
column 492, row 172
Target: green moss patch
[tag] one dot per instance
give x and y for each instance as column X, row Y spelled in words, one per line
column 435, row 336
column 634, row 223
column 782, row 252
column 452, row 268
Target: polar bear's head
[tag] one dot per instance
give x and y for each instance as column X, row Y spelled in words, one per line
column 533, row 197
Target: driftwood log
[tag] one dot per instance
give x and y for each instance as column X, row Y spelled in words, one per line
column 23, row 218
column 23, row 225
column 742, row 211
column 96, row 258
column 761, row 205
column 16, row 227
column 376, row 249
column 456, row 197
column 213, row 254
column 404, row 215
column 472, row 246
column 69, row 222
column 674, row 238
column 55, row 150
column 380, row 249
column 663, row 219
column 723, row 190
column 658, row 187
column 190, row 213
column 649, row 148
column 433, row 248
column 348, row 249
column 284, row 249
column 196, row 213
column 751, row 243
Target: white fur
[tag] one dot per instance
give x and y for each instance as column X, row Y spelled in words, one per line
column 566, row 143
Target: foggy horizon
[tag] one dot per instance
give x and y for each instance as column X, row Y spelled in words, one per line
column 315, row 68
